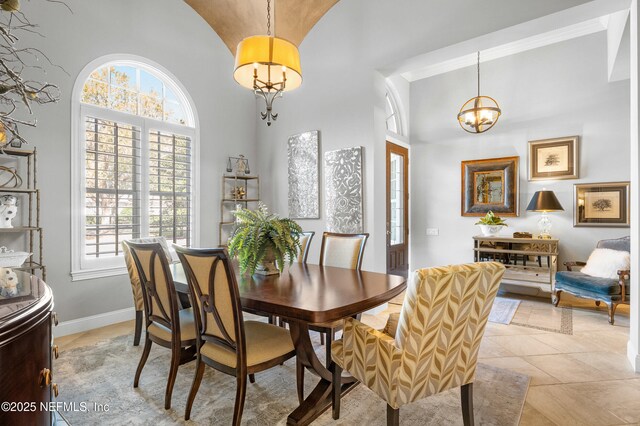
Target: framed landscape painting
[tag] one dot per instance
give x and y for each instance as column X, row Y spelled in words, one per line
column 601, row 204
column 551, row 159
column 490, row 184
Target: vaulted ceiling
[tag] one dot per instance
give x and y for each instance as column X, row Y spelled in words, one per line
column 234, row 20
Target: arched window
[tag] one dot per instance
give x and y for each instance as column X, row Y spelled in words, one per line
column 135, row 134
column 393, row 117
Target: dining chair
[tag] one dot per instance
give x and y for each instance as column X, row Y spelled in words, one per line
column 341, row 251
column 136, row 288
column 165, row 324
column 435, row 345
column 224, row 340
column 305, row 245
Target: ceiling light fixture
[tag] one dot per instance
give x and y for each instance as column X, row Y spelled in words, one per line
column 268, row 65
column 479, row 114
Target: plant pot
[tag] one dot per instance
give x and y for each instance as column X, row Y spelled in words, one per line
column 268, row 264
column 491, row 230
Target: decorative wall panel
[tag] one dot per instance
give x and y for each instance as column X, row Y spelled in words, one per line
column 343, row 186
column 304, row 198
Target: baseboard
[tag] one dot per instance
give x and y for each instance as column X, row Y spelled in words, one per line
column 633, row 356
column 94, row 321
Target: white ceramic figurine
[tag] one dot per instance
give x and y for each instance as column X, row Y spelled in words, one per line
column 8, row 282
column 8, row 210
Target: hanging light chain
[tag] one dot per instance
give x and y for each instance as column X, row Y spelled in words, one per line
column 478, row 73
column 268, row 17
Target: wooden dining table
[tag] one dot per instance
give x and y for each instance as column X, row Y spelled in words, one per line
column 304, row 294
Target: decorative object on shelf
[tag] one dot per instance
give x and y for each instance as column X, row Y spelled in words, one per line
column 19, row 87
column 544, row 201
column 8, row 282
column 9, row 178
column 491, row 225
column 522, row 235
column 8, row 210
column 269, row 66
column 490, row 185
column 343, row 186
column 12, row 259
column 238, row 192
column 479, row 114
column 601, row 204
column 241, row 165
column 262, row 241
column 304, row 193
column 551, row 159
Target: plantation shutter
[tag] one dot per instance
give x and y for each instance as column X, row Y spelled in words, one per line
column 170, row 186
column 113, row 185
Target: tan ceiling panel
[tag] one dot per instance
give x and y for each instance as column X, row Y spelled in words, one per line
column 234, row 20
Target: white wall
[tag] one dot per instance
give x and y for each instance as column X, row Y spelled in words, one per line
column 557, row 90
column 342, row 94
column 165, row 31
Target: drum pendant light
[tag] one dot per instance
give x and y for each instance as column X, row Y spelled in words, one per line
column 269, row 66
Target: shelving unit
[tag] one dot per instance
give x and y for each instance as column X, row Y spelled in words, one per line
column 251, row 185
column 32, row 228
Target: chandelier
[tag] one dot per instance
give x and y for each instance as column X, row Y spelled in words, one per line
column 479, row 114
column 269, row 66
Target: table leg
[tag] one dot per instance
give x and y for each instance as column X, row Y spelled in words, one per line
column 319, row 400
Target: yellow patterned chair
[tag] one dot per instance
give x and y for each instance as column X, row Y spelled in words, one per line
column 435, row 347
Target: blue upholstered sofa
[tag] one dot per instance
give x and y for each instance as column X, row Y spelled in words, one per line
column 610, row 291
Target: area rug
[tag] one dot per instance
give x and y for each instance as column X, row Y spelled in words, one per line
column 103, row 374
column 503, row 310
column 540, row 314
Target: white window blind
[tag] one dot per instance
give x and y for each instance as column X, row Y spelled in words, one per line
column 113, row 182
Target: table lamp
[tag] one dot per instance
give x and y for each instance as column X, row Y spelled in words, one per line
column 544, row 201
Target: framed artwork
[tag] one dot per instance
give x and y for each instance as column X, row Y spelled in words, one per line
column 601, row 204
column 304, row 195
column 552, row 159
column 343, row 189
column 490, row 184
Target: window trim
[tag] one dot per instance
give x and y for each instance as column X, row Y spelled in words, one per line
column 80, row 268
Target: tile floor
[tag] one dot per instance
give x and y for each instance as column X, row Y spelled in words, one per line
column 579, row 379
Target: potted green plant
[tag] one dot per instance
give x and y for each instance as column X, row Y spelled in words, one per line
column 491, row 225
column 262, row 241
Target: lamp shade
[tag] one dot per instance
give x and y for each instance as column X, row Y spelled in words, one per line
column 544, row 201
column 271, row 57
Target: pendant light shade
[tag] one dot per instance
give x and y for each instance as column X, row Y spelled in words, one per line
column 272, row 59
column 479, row 114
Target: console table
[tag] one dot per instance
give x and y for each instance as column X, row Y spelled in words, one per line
column 530, row 262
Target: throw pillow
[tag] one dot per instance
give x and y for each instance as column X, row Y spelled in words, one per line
column 605, row 263
column 392, row 324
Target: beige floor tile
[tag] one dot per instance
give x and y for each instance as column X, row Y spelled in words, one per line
column 522, row 345
column 533, row 417
column 491, row 349
column 564, row 405
column 520, row 365
column 569, row 368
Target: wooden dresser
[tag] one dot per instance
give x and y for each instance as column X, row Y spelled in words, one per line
column 530, row 262
column 26, row 352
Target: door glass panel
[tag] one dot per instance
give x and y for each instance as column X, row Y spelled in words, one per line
column 396, row 198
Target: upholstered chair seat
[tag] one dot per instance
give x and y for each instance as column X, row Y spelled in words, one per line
column 187, row 327
column 612, row 291
column 264, row 342
column 436, row 342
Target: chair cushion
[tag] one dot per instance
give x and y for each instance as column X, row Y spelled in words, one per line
column 605, row 263
column 579, row 281
column 264, row 343
column 187, row 327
